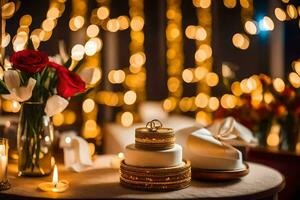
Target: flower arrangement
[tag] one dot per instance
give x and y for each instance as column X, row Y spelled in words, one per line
column 44, row 89
column 263, row 103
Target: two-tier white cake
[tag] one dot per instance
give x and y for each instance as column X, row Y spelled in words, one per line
column 155, row 162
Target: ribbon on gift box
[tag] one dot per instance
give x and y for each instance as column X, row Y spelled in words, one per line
column 76, row 151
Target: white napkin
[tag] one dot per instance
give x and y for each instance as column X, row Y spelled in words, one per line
column 232, row 132
column 76, row 151
column 206, row 152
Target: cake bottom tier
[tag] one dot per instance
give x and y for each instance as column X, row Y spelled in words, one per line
column 156, row 179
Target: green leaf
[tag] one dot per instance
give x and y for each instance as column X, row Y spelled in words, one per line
column 30, row 45
column 3, row 88
column 77, row 66
column 68, row 63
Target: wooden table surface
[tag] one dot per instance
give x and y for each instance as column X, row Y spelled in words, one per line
column 103, row 183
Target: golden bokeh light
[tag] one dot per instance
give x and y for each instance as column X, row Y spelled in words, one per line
column 250, row 27
column 200, row 73
column 92, row 30
column 169, row 104
column 25, row 21
column 127, row 119
column 212, row 79
column 202, row 3
column 173, row 84
column 88, row 105
column 203, row 118
column 116, row 76
column 137, row 60
column 187, row 75
column 268, row 97
column 124, row 22
column 278, row 84
column 245, row 3
column 137, row 23
column 113, row 25
column 69, row 116
column 229, row 3
column 240, row 41
column 90, row 47
column 77, row 52
column 213, row 103
column 294, row 79
column 48, row 25
column 236, row 89
column 228, row 101
column 103, row 12
column 273, row 138
column 280, row 14
column 130, row 97
column 58, row 119
column 185, row 104
column 292, row 11
column 201, row 100
column 53, row 13
column 296, row 66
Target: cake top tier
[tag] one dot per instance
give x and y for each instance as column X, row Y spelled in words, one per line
column 154, row 136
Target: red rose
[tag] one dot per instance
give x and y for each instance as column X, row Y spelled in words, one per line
column 69, row 83
column 29, row 61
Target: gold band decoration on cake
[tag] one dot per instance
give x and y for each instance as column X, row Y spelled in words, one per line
column 156, row 179
column 154, row 136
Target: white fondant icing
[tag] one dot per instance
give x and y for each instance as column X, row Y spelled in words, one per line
column 149, row 158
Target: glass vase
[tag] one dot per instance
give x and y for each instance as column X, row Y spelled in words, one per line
column 35, row 140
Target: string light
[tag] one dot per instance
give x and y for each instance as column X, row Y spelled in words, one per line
column 175, row 57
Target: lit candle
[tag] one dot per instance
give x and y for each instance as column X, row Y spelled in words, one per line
column 116, row 161
column 55, row 185
column 3, row 163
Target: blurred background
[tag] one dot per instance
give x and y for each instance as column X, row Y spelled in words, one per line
column 182, row 61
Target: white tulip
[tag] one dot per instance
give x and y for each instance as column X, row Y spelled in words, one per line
column 17, row 92
column 55, row 104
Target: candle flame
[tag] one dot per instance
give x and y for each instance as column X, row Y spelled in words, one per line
column 55, row 176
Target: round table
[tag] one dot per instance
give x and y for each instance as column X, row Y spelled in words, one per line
column 103, row 183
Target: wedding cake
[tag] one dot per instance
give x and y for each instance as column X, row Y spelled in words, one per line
column 155, row 162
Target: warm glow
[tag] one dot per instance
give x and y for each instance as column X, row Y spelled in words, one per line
column 103, row 12
column 273, row 138
column 116, row 76
column 236, row 89
column 200, row 34
column 77, row 52
column 278, row 84
column 294, row 79
column 268, row 97
column 213, row 103
column 130, row 97
column 137, row 23
column 88, row 105
column 48, row 25
column 25, row 20
column 250, row 27
column 228, row 101
column 187, row 75
column 92, row 30
column 55, row 176
column 201, row 100
column 266, row 24
column 203, row 118
column 240, row 41
column 90, row 47
column 244, row 3
column 202, row 3
column 212, row 79
column 200, row 73
column 296, row 66
column 124, row 22
column 58, row 119
column 53, row 13
column 190, row 32
column 69, row 116
column 169, row 104
column 280, row 14
column 292, row 11
column 137, row 60
column 229, row 3
column 226, row 71
column 127, row 119
column 113, row 25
